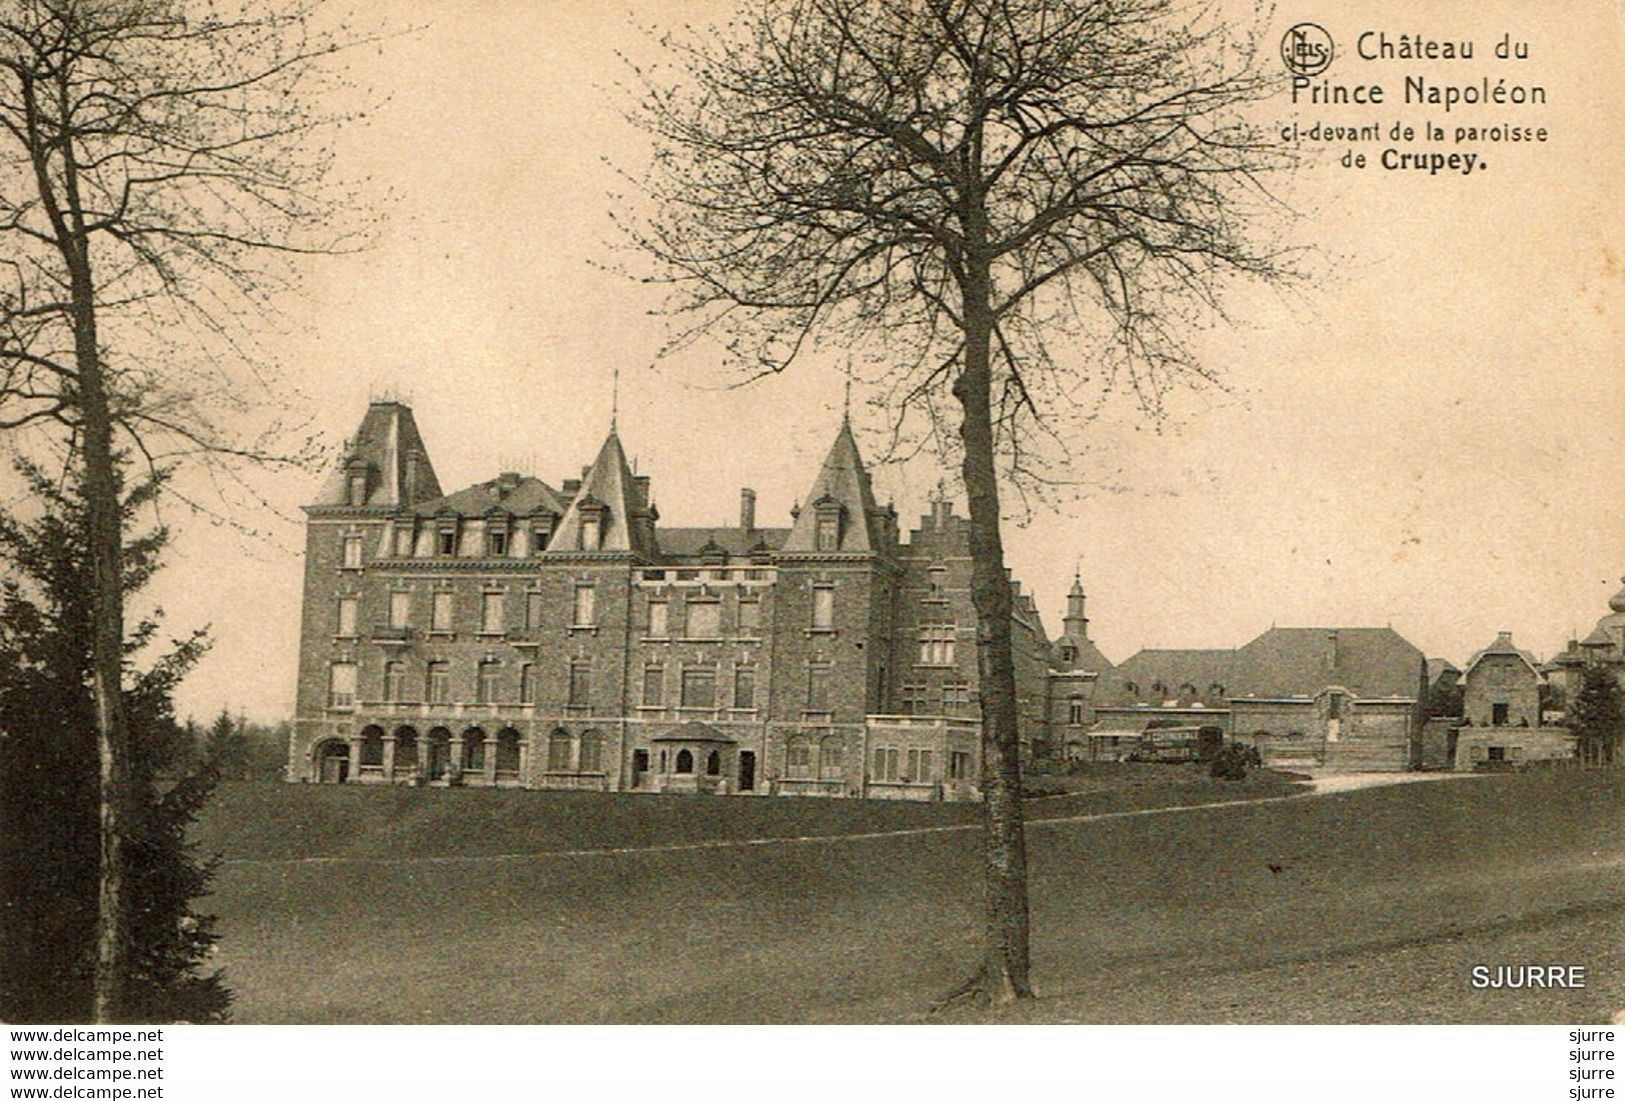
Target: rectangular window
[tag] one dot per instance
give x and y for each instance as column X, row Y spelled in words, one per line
column 592, row 754
column 439, row 682
column 485, row 688
column 829, row 758
column 654, row 685
column 955, row 697
column 818, row 688
column 533, row 611
column 913, row 701
column 446, row 542
column 937, row 644
column 540, row 533
column 958, row 765
column 1074, row 711
column 586, row 606
column 440, row 611
column 798, row 758
column 704, row 619
column 580, row 684
column 347, row 606
column 400, row 608
column 403, row 539
column 750, row 616
column 394, row 681
column 823, row 609
column 745, row 687
column 558, row 752
column 491, row 613
column 657, row 618
column 589, row 533
column 885, row 763
column 527, row 683
column 1498, row 714
column 358, row 489
column 919, row 766
column 700, row 687
column 496, row 542
column 352, row 552
column 341, row 685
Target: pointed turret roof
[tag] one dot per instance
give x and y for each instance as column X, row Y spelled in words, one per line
column 842, row 484
column 609, row 487
column 389, row 448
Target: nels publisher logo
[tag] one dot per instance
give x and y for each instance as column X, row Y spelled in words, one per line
column 1306, row 49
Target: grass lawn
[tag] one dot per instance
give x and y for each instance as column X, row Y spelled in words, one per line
column 257, row 821
column 1385, row 898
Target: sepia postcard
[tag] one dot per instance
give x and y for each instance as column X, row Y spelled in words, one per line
column 828, row 512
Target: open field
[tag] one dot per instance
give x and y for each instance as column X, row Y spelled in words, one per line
column 338, row 905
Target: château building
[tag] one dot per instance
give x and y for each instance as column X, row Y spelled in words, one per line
column 514, row 633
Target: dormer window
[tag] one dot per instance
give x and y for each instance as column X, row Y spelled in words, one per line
column 541, row 530
column 446, row 537
column 496, row 533
column 405, row 536
column 357, row 493
column 828, row 534
column 592, row 526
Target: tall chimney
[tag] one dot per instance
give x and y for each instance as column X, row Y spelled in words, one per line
column 747, row 509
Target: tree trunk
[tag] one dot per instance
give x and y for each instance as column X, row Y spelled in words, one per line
column 112, row 737
column 1004, row 976
column 106, row 550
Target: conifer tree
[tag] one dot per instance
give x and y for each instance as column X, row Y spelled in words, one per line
column 49, row 866
column 1598, row 715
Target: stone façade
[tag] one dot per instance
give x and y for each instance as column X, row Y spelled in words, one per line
column 517, row 634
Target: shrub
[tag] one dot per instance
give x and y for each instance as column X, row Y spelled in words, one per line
column 1232, row 762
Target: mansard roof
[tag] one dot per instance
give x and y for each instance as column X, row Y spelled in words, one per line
column 1503, row 646
column 520, row 496
column 842, row 482
column 609, row 483
column 387, row 439
column 686, row 542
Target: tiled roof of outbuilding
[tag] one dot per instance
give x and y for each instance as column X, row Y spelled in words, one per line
column 1301, row 661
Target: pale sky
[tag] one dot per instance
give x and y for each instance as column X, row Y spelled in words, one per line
column 1430, row 438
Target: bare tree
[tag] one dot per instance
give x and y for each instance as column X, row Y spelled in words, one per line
column 1016, row 202
column 157, row 170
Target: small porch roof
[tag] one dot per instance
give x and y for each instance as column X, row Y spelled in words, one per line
column 695, row 732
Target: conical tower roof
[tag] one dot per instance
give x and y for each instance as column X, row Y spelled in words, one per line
column 611, row 492
column 842, row 488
